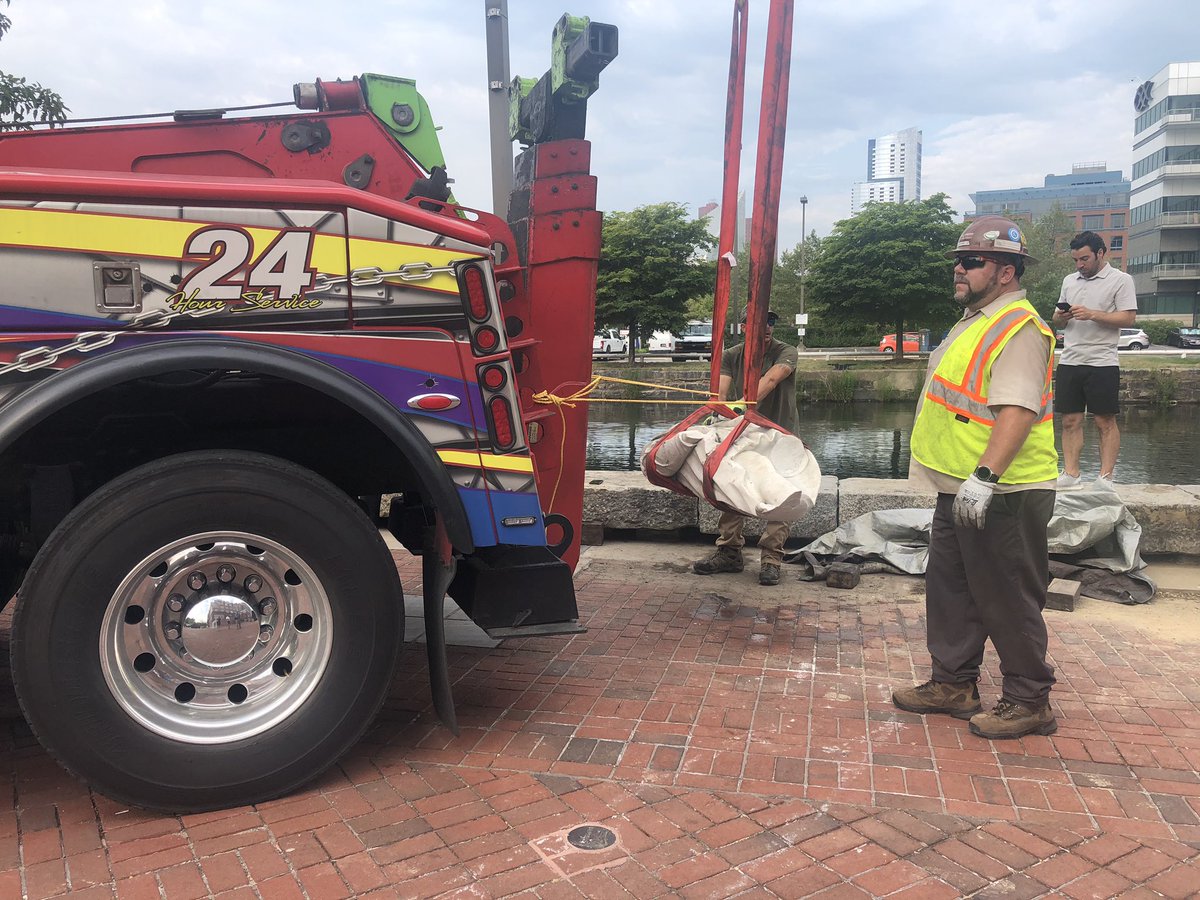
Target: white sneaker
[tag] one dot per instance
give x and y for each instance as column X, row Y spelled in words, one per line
column 1068, row 481
column 1104, row 482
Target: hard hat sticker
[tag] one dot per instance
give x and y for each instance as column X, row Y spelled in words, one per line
column 990, row 235
column 1014, row 235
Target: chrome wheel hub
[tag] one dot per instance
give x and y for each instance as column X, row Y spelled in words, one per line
column 216, row 637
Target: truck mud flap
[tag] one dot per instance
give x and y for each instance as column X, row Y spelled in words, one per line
column 513, row 591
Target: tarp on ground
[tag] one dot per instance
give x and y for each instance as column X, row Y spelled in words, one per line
column 1093, row 538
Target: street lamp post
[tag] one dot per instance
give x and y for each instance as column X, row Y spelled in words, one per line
column 803, row 263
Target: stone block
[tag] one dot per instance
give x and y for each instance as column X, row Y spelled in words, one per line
column 858, row 496
column 822, row 518
column 628, row 500
column 1169, row 515
column 1062, row 594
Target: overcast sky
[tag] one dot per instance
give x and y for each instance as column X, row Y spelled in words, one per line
column 1004, row 92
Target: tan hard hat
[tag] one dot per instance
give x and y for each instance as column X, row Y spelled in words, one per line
column 994, row 234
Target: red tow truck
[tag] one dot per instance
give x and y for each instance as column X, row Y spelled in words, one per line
column 222, row 339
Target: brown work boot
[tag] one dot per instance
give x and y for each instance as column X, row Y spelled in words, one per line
column 960, row 700
column 1013, row 720
column 768, row 574
column 723, row 559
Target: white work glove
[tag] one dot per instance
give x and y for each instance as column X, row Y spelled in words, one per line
column 971, row 503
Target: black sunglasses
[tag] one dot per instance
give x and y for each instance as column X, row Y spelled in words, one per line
column 974, row 262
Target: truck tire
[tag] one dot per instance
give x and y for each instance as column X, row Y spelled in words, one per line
column 209, row 630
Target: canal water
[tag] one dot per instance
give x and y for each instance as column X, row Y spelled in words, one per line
column 870, row 440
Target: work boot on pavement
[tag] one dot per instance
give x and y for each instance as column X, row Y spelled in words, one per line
column 1011, row 719
column 768, row 574
column 960, row 700
column 723, row 559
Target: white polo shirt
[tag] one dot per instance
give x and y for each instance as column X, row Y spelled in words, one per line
column 1094, row 343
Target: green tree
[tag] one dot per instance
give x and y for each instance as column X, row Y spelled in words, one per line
column 22, row 102
column 1048, row 240
column 887, row 264
column 651, row 264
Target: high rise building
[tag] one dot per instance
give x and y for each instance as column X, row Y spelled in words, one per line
column 1164, row 215
column 1093, row 196
column 710, row 213
column 893, row 170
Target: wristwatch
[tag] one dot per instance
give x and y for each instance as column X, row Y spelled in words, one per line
column 983, row 473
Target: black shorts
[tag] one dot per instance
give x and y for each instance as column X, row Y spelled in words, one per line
column 1087, row 388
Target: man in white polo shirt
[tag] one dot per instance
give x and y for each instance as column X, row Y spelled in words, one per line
column 1093, row 306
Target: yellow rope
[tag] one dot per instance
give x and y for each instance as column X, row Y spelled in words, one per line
column 548, row 398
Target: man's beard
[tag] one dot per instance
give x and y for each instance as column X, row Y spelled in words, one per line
column 970, row 298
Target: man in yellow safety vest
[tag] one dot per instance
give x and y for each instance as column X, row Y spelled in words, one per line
column 984, row 440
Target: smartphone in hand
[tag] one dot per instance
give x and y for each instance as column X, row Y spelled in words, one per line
column 1063, row 306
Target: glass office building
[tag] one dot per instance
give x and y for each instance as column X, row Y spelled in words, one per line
column 1164, row 214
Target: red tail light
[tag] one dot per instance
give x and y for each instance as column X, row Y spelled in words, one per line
column 493, row 377
column 476, row 292
column 486, row 340
column 502, row 426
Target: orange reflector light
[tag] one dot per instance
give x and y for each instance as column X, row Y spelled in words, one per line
column 501, row 422
column 477, row 300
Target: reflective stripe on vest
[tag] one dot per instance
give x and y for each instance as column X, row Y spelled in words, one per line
column 955, row 422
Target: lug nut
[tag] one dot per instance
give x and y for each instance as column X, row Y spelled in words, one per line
column 172, row 632
column 197, row 580
column 225, row 574
column 264, row 634
column 253, row 583
column 267, row 607
column 175, row 603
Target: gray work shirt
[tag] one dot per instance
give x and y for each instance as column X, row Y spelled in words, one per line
column 1094, row 343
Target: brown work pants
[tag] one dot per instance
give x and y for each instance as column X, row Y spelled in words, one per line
column 770, row 544
column 991, row 584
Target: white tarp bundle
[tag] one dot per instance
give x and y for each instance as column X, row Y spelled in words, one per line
column 765, row 472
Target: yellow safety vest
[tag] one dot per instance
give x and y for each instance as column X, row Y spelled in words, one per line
column 953, row 427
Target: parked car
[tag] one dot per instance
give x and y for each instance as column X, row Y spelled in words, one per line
column 1133, row 339
column 1183, row 337
column 662, row 342
column 1130, row 339
column 608, row 341
column 696, row 338
column 912, row 343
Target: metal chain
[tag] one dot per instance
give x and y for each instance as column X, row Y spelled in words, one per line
column 40, row 357
column 372, row 275
column 86, row 342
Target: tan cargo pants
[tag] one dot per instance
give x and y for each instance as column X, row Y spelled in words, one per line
column 770, row 544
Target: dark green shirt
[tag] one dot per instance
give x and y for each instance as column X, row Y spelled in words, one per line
column 779, row 405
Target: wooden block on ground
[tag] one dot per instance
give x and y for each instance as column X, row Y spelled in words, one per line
column 1062, row 594
column 592, row 534
column 843, row 575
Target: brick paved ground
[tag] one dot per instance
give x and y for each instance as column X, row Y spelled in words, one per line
column 734, row 751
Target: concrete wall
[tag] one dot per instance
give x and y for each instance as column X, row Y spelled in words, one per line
column 1169, row 514
column 864, row 382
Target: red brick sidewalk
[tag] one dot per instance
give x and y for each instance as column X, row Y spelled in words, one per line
column 734, row 751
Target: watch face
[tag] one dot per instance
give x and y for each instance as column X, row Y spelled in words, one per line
column 1141, row 99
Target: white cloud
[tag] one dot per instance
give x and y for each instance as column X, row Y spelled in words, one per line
column 1004, row 94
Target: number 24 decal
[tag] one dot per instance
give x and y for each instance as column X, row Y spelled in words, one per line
column 283, row 267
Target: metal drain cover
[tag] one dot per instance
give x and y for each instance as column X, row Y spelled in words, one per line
column 591, row 837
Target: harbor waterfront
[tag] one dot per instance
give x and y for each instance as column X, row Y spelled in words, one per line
column 856, row 416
